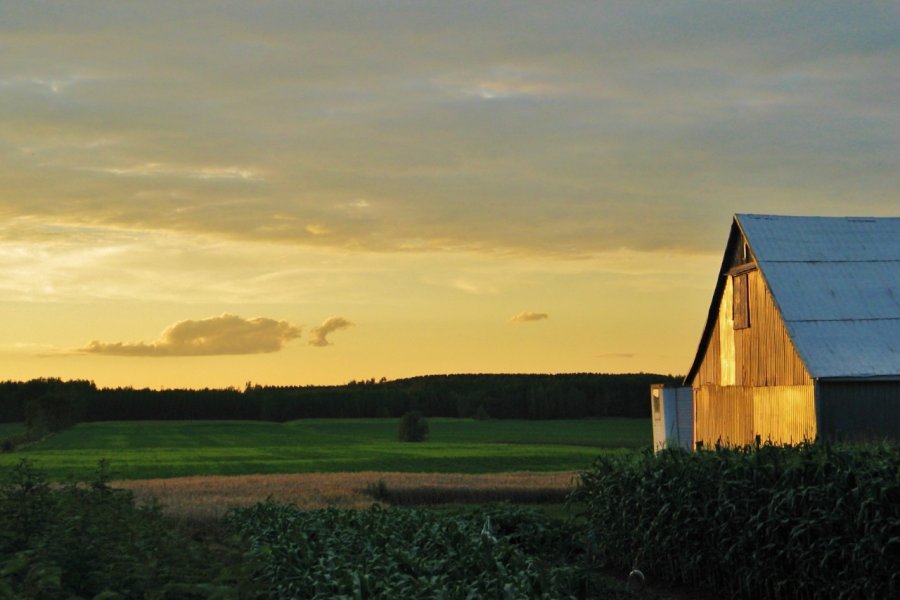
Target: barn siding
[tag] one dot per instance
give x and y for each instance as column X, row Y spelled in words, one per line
column 784, row 414
column 859, row 410
column 736, row 414
column 723, row 414
column 767, row 349
column 760, row 355
column 726, row 337
column 711, row 368
column 751, row 381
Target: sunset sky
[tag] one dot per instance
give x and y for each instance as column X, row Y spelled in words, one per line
column 200, row 194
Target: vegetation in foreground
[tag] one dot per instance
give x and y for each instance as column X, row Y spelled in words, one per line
column 812, row 521
column 92, row 541
column 501, row 552
column 143, row 450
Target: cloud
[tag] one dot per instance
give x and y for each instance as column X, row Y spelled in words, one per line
column 650, row 125
column 226, row 334
column 528, row 316
column 318, row 335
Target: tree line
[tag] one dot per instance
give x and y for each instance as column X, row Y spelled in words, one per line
column 53, row 404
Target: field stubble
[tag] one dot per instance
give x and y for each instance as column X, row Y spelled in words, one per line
column 206, row 497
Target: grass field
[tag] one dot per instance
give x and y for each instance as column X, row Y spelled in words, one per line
column 11, row 429
column 142, row 450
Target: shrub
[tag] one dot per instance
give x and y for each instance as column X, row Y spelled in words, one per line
column 481, row 414
column 413, row 427
column 91, row 541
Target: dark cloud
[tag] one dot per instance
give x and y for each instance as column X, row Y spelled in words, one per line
column 318, row 336
column 226, row 334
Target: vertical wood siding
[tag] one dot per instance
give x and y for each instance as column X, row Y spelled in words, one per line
column 723, row 414
column 785, row 414
column 766, row 353
column 751, row 381
column 760, row 355
column 710, row 369
column 727, row 337
column 736, row 414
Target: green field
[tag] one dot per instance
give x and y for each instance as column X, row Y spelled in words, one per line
column 138, row 450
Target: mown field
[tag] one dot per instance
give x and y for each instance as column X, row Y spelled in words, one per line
column 163, row 449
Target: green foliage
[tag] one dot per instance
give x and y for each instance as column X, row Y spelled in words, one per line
column 91, row 541
column 813, row 521
column 386, row 554
column 412, row 427
column 51, row 413
column 481, row 414
column 178, row 448
column 561, row 396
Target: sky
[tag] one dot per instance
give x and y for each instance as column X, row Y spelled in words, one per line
column 204, row 194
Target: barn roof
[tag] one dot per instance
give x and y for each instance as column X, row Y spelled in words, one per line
column 836, row 282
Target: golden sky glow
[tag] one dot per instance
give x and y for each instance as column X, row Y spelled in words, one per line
column 206, row 193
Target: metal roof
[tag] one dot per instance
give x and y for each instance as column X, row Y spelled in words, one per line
column 836, row 282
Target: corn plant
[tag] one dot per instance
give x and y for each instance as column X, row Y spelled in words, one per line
column 403, row 553
column 811, row 521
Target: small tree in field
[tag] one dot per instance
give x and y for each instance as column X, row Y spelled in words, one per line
column 413, row 427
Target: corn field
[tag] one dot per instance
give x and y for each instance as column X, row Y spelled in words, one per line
column 811, row 521
column 503, row 553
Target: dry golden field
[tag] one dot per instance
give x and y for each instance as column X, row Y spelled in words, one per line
column 212, row 496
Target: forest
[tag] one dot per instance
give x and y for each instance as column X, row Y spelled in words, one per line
column 54, row 404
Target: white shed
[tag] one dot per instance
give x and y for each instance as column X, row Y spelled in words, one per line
column 673, row 416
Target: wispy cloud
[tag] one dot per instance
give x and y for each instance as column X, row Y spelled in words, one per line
column 528, row 317
column 225, row 334
column 148, row 169
column 480, row 140
column 318, row 336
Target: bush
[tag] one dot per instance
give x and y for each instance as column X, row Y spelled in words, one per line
column 91, row 541
column 812, row 521
column 413, row 427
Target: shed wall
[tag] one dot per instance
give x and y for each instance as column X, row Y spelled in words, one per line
column 859, row 409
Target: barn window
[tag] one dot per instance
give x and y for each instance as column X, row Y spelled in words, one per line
column 741, row 305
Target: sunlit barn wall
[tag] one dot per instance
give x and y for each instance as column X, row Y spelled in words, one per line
column 751, row 381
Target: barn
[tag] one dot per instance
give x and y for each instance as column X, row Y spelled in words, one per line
column 802, row 339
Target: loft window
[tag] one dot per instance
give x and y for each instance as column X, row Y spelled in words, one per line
column 741, row 304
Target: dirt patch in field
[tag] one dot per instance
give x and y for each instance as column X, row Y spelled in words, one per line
column 213, row 496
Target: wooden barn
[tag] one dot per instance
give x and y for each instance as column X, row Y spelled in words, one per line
column 803, row 333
